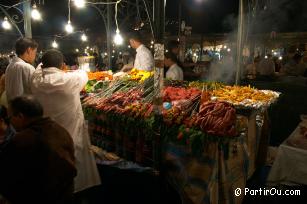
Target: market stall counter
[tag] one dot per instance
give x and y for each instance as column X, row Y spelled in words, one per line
column 208, row 132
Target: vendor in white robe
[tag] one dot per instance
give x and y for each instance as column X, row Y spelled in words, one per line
column 174, row 72
column 59, row 93
column 143, row 58
column 19, row 72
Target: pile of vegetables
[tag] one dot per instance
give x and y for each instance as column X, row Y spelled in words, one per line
column 206, row 85
column 207, row 107
column 176, row 83
column 245, row 96
column 139, row 75
column 94, row 86
column 103, row 75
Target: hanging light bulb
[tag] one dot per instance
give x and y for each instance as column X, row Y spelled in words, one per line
column 80, row 3
column 118, row 39
column 77, row 50
column 6, row 24
column 54, row 44
column 83, row 37
column 69, row 28
column 36, row 15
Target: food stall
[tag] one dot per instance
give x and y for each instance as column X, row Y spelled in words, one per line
column 208, row 131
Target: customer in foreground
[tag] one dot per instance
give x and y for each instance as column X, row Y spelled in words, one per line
column 37, row 166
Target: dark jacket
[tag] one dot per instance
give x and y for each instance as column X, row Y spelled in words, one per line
column 8, row 136
column 37, row 166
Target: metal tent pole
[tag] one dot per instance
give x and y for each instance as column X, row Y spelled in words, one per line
column 239, row 43
column 109, row 38
column 159, row 10
column 27, row 18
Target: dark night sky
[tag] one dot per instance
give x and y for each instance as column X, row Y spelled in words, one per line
column 204, row 17
column 210, row 16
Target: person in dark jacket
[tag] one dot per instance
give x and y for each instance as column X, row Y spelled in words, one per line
column 38, row 165
column 7, row 132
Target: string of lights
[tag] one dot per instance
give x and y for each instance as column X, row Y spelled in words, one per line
column 36, row 15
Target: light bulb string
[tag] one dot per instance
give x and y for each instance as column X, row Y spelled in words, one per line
column 116, row 9
column 68, row 10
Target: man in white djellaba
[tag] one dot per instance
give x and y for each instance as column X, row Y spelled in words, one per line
column 19, row 72
column 59, row 93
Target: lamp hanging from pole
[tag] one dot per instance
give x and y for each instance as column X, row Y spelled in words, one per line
column 83, row 37
column 6, row 24
column 118, row 39
column 69, row 28
column 35, row 14
column 79, row 3
column 54, row 44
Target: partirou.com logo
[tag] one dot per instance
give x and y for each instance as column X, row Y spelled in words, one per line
column 266, row 192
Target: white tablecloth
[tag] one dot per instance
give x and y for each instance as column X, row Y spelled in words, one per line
column 290, row 165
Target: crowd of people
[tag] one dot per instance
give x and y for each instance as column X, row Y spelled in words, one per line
column 44, row 141
column 269, row 67
column 45, row 147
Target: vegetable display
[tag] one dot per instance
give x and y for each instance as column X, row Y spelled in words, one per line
column 206, row 106
column 103, row 75
column 245, row 96
column 139, row 75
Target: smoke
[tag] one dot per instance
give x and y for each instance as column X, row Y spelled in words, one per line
column 222, row 71
column 262, row 17
column 225, row 69
column 280, row 16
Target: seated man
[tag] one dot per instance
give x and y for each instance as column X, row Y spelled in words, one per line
column 37, row 166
